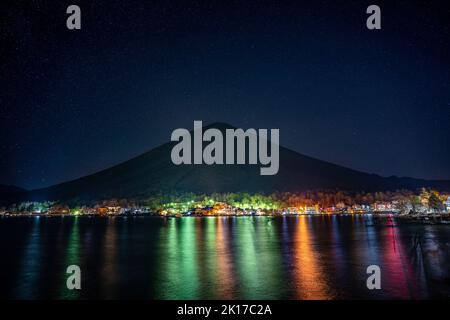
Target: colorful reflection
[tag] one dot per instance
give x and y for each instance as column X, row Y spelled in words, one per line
column 246, row 259
column 109, row 272
column 72, row 257
column 27, row 282
column 179, row 270
column 226, row 282
column 310, row 278
column 258, row 259
column 207, row 256
column 402, row 282
column 229, row 258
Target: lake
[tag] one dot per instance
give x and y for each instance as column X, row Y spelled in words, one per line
column 296, row 257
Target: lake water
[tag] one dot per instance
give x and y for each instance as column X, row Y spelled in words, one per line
column 304, row 257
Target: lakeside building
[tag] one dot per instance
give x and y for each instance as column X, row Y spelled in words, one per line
column 312, row 209
column 400, row 202
column 59, row 209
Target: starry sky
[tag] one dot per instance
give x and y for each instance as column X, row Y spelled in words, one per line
column 75, row 102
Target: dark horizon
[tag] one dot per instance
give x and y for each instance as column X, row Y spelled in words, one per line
column 77, row 102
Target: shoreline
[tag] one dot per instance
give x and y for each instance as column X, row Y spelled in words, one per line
column 441, row 218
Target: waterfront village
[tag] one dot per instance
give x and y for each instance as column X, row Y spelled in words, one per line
column 424, row 203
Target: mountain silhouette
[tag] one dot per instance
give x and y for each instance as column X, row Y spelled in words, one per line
column 9, row 193
column 153, row 172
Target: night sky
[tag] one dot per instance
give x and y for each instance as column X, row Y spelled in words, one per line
column 75, row 102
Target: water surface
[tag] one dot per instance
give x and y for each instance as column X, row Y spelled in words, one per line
column 303, row 257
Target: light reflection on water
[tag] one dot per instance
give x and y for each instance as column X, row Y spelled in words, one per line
column 304, row 257
column 310, row 276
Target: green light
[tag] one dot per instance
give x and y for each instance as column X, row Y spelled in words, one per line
column 179, row 274
column 72, row 257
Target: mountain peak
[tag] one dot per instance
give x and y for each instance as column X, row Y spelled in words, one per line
column 219, row 125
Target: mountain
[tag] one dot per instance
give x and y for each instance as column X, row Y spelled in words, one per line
column 153, row 172
column 9, row 193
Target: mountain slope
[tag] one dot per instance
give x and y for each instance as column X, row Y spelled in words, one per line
column 9, row 193
column 153, row 172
